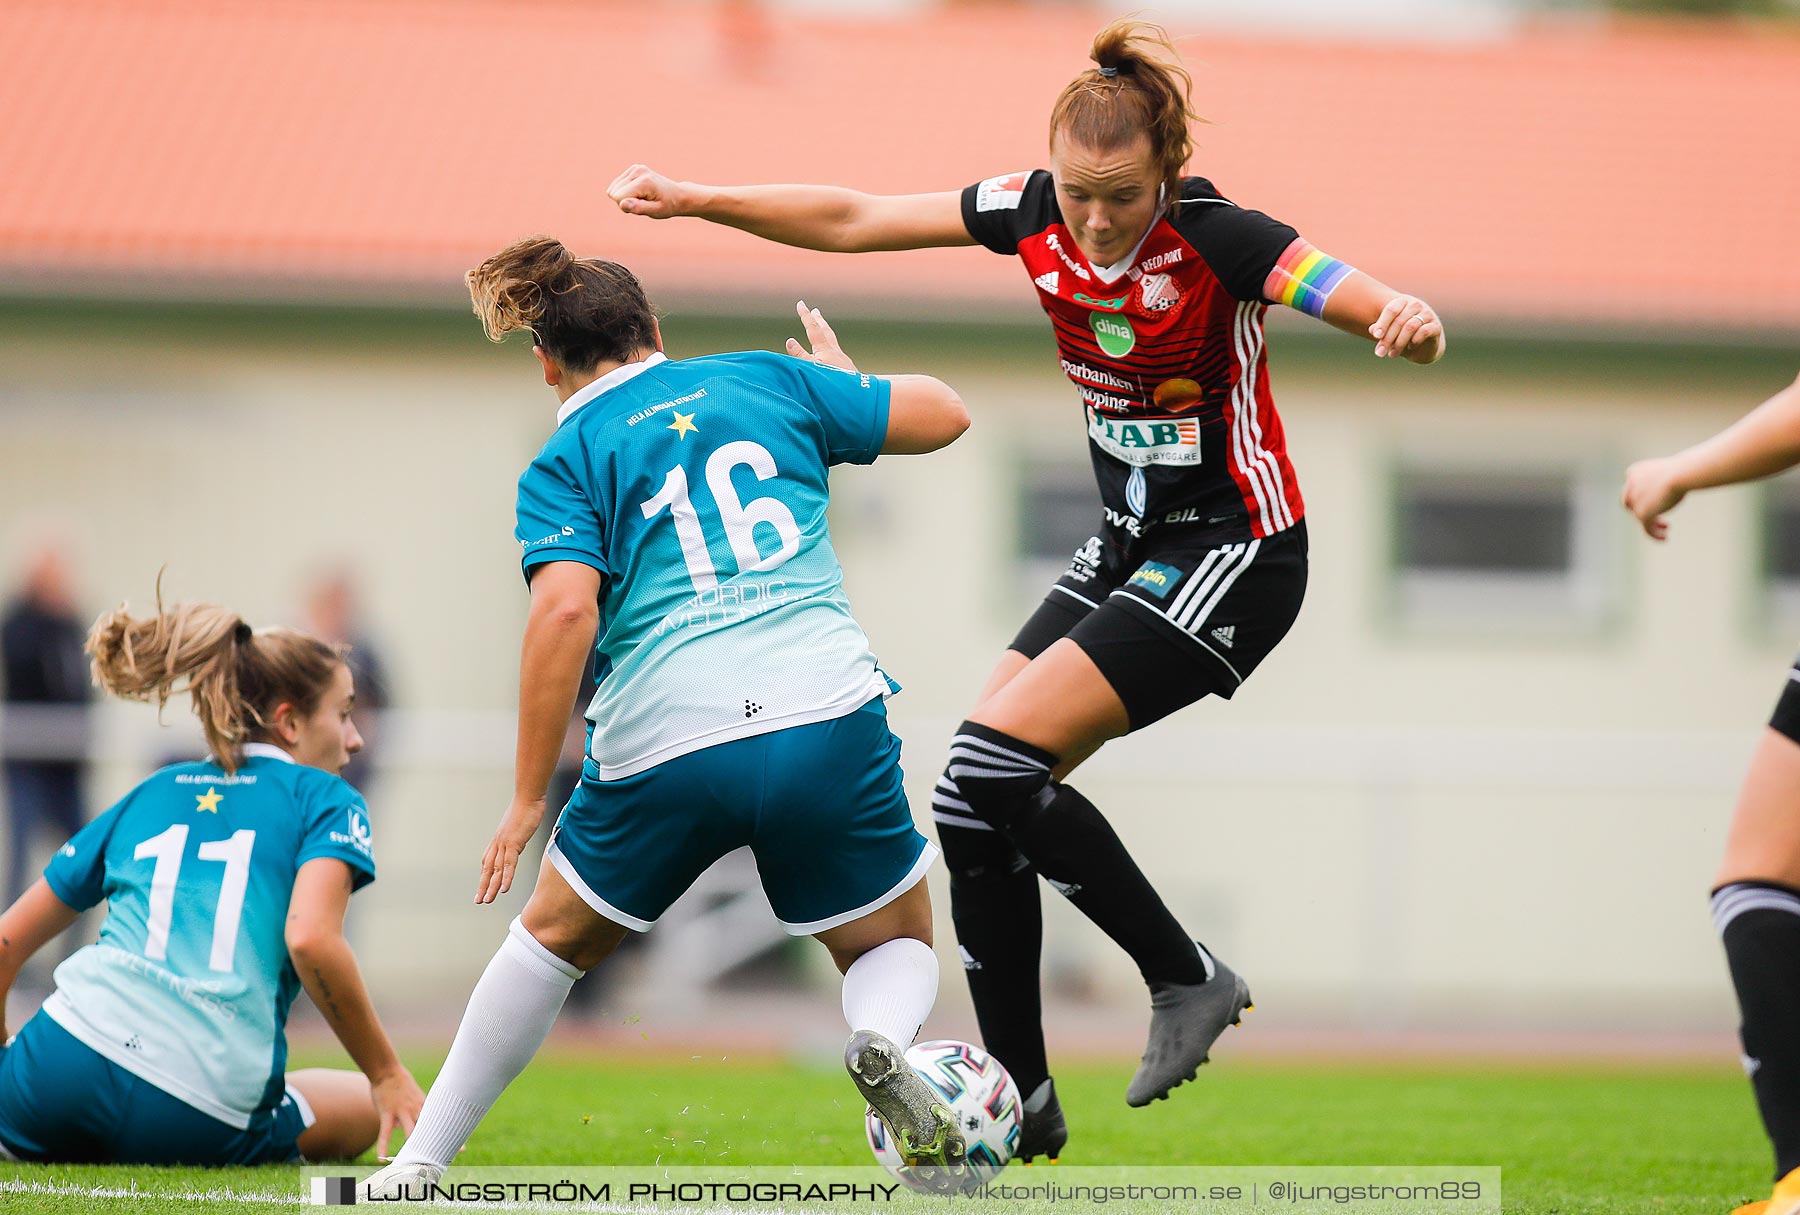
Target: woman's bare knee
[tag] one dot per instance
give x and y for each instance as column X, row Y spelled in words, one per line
column 907, row 916
column 345, row 1121
column 1764, row 842
column 562, row 922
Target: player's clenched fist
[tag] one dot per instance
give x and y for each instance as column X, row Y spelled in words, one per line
column 1652, row 489
column 1408, row 329
column 641, row 190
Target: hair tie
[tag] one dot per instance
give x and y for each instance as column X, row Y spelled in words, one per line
column 1109, row 72
column 243, row 633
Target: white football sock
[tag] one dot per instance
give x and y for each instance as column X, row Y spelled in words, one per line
column 891, row 989
column 509, row 1015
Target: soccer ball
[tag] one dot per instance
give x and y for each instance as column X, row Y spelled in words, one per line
column 981, row 1096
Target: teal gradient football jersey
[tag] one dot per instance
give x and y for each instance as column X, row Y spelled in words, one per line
column 190, row 983
column 698, row 488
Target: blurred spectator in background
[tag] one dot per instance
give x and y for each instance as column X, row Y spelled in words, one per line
column 48, row 721
column 333, row 613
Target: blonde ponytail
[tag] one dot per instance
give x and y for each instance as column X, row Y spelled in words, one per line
column 235, row 675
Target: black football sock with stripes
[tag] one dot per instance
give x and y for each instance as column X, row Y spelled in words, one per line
column 1076, row 850
column 1006, row 783
column 994, row 903
column 1760, row 924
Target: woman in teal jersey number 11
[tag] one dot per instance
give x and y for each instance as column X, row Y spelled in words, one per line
column 226, row 883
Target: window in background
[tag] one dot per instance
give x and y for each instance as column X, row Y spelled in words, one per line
column 1500, row 549
column 1059, row 507
column 1780, row 565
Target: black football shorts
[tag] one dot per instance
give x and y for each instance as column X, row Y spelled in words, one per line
column 1171, row 617
column 1786, row 718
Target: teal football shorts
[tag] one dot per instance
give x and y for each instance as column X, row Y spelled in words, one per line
column 821, row 806
column 63, row 1101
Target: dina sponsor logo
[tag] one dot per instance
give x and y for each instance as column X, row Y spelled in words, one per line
column 1114, row 334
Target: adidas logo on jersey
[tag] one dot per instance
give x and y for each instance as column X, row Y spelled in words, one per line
column 1224, row 635
column 1047, row 281
column 1066, row 889
column 968, row 959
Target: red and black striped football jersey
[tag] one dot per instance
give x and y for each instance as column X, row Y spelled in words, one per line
column 1166, row 351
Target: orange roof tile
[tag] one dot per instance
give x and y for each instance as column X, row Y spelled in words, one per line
column 1585, row 172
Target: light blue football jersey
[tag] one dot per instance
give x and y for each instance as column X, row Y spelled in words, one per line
column 190, row 983
column 698, row 488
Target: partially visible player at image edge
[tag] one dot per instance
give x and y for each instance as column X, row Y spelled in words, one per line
column 676, row 519
column 226, row 883
column 1756, row 894
column 1155, row 285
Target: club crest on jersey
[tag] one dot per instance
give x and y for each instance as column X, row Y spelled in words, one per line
column 1143, row 441
column 1003, row 193
column 1158, row 292
column 1114, row 334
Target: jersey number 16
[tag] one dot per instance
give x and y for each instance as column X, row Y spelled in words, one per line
column 740, row 517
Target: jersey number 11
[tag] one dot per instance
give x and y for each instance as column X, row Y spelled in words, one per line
column 167, row 849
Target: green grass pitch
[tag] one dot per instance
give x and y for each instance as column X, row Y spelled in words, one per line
column 1674, row 1141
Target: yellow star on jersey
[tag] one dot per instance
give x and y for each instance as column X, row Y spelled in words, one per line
column 208, row 801
column 683, row 425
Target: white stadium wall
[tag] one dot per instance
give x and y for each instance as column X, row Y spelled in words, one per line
column 1412, row 818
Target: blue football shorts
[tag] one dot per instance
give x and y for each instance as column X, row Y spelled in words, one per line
column 821, row 806
column 60, row 1100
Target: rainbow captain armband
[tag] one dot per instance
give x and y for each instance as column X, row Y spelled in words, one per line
column 1304, row 278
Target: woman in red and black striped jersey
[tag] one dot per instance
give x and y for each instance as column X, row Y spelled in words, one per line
column 1756, row 894
column 1155, row 285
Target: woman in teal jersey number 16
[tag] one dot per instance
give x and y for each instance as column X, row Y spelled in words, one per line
column 675, row 523
column 226, row 883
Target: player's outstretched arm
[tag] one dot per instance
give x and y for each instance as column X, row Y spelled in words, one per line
column 828, row 218
column 1763, row 442
column 26, row 927
column 924, row 413
column 559, row 633
column 1401, row 326
column 327, row 968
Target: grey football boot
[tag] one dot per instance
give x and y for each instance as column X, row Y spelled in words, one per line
column 1043, row 1130
column 923, row 1126
column 1185, row 1020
